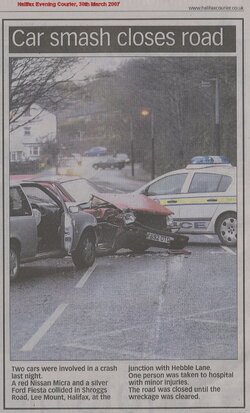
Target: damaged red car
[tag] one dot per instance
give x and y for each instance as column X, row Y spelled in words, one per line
column 131, row 221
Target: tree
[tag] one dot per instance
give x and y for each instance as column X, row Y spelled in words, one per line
column 184, row 116
column 45, row 81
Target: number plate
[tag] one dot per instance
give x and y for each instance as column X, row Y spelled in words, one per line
column 157, row 237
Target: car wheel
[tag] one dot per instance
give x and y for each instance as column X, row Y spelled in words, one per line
column 138, row 248
column 84, row 255
column 95, row 167
column 14, row 262
column 226, row 229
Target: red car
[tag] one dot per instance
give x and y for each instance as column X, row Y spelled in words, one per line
column 131, row 221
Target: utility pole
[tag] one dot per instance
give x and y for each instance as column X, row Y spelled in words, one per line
column 217, row 117
column 132, row 147
column 149, row 112
column 208, row 83
column 152, row 146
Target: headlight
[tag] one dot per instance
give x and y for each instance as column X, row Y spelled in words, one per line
column 170, row 221
column 129, row 217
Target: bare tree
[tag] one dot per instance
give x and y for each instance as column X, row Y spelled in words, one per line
column 45, row 81
column 184, row 115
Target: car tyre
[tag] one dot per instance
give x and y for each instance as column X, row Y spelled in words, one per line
column 84, row 255
column 226, row 229
column 14, row 262
column 95, row 167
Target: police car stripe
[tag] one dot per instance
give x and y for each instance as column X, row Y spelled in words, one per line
column 199, row 201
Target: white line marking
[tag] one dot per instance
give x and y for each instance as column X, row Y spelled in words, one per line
column 227, row 249
column 216, row 252
column 44, row 328
column 209, row 236
column 214, row 310
column 106, row 350
column 200, row 320
column 108, row 187
column 144, row 326
column 86, row 276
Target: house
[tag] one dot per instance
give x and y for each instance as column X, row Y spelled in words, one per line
column 30, row 132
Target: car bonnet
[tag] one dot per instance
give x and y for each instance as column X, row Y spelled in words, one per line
column 136, row 202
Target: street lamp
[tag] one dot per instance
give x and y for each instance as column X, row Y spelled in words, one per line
column 217, row 112
column 149, row 112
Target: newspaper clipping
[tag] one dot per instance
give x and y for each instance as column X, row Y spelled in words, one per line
column 124, row 221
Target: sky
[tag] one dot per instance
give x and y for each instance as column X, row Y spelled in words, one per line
column 95, row 64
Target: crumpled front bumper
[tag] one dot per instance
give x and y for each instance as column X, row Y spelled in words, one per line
column 137, row 233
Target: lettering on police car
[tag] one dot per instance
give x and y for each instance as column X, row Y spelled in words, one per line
column 191, row 224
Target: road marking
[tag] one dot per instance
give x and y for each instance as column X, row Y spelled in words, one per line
column 122, row 352
column 227, row 249
column 86, row 276
column 108, row 187
column 44, row 328
column 209, row 236
column 200, row 320
column 213, row 310
column 144, row 326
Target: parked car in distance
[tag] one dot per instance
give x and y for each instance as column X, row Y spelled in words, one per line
column 96, row 151
column 202, row 197
column 43, row 226
column 109, row 163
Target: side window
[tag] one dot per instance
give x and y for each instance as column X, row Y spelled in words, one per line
column 204, row 182
column 19, row 205
column 38, row 196
column 171, row 184
column 224, row 183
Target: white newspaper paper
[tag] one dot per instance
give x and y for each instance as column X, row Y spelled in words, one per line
column 104, row 306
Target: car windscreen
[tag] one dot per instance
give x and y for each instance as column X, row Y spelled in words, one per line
column 80, row 189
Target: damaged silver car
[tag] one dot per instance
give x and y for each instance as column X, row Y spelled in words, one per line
column 43, row 226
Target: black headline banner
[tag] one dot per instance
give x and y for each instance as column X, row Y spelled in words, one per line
column 122, row 39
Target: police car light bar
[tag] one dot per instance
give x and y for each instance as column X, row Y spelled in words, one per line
column 209, row 160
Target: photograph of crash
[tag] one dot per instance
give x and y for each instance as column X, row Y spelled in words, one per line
column 123, row 218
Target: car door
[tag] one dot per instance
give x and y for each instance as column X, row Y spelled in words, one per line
column 62, row 227
column 168, row 191
column 205, row 193
column 23, row 225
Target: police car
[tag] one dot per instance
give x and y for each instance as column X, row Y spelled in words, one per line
column 202, row 197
